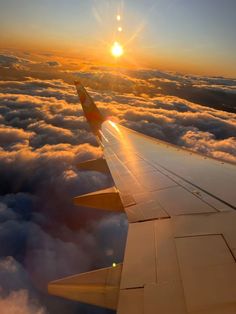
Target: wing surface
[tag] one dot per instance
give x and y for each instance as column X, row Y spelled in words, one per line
column 181, row 246
column 164, row 180
column 180, row 254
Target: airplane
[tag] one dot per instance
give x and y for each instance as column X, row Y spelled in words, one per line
column 180, row 254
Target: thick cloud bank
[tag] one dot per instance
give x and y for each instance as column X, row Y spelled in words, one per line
column 43, row 136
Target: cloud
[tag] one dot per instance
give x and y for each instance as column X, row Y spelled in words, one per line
column 46, row 113
column 15, row 297
column 53, row 63
column 220, row 88
column 11, row 61
column 35, row 238
column 205, row 143
column 13, row 276
column 17, row 302
column 169, row 118
column 218, row 93
column 10, row 136
column 37, row 87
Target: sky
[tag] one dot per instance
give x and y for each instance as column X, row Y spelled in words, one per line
column 175, row 82
column 178, row 35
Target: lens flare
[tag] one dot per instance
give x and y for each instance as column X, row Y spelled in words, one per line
column 117, row 50
column 119, row 29
column 118, row 17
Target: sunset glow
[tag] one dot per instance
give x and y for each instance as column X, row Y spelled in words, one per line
column 156, row 38
column 142, row 92
column 117, row 50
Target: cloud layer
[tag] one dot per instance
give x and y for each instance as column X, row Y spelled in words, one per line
column 43, row 136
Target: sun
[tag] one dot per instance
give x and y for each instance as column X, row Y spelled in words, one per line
column 117, row 50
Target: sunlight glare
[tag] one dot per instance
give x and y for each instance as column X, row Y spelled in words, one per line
column 114, row 125
column 119, row 29
column 118, row 17
column 117, row 50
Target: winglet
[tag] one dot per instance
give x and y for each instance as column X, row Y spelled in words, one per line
column 91, row 112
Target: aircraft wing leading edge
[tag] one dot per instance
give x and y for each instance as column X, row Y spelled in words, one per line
column 180, row 254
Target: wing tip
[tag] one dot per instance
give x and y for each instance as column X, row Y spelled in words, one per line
column 91, row 112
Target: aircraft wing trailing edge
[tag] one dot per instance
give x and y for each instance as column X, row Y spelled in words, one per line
column 180, row 255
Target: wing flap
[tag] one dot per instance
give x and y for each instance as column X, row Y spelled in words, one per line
column 99, row 287
column 131, row 301
column 208, row 271
column 99, row 165
column 108, row 199
column 187, row 264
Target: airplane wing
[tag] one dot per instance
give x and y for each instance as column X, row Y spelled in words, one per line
column 180, row 255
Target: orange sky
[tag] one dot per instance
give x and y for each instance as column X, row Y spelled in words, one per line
column 168, row 35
